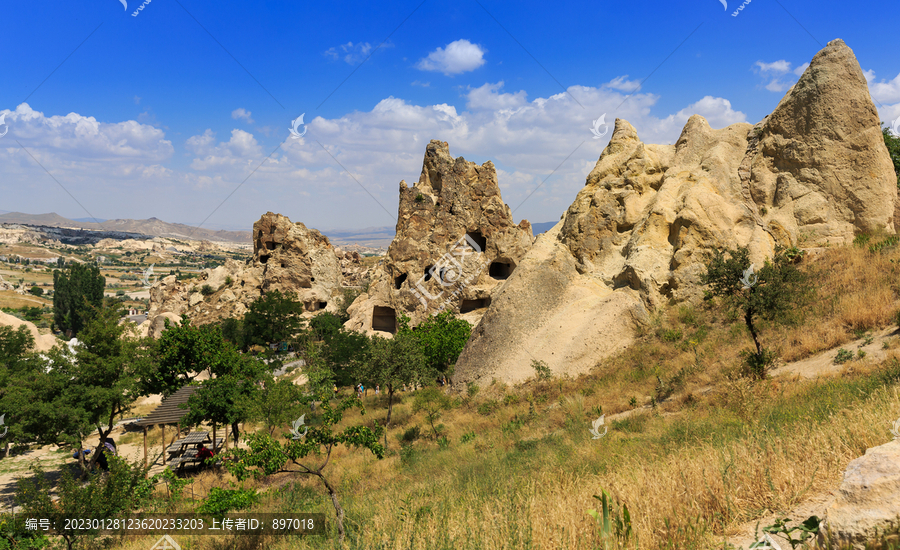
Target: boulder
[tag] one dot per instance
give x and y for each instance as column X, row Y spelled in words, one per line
column 868, row 501
column 455, row 245
column 42, row 342
column 639, row 233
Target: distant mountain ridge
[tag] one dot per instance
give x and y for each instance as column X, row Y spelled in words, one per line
column 153, row 227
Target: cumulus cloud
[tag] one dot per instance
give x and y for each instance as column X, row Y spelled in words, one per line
column 241, row 113
column 778, row 75
column 622, row 83
column 457, row 57
column 542, row 149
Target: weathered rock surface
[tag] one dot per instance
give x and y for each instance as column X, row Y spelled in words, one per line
column 868, row 500
column 637, row 235
column 455, row 245
column 42, row 342
column 287, row 256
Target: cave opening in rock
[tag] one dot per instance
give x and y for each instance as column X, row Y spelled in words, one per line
column 500, row 270
column 321, row 305
column 466, row 306
column 428, row 271
column 270, row 245
column 384, row 319
column 264, row 258
column 478, row 239
column 398, row 280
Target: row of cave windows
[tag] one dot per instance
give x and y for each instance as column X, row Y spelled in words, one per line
column 497, row 270
column 385, row 318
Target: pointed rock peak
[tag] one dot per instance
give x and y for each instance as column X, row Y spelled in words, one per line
column 624, row 131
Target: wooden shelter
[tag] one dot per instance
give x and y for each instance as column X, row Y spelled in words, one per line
column 168, row 412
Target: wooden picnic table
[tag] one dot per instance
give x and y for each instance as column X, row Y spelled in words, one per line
column 183, row 455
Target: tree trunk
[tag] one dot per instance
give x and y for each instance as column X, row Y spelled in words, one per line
column 235, row 432
column 338, row 511
column 748, row 318
column 390, row 402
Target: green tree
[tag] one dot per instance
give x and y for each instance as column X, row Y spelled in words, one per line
column 228, row 397
column 893, row 145
column 233, row 331
column 36, row 290
column 267, row 456
column 431, row 401
column 60, row 398
column 276, row 404
column 393, row 363
column 773, row 293
column 443, row 337
column 273, row 317
column 183, row 352
column 77, row 290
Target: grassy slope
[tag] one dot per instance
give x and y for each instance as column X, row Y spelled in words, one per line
column 718, row 452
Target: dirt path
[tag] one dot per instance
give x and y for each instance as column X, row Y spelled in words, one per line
column 875, row 347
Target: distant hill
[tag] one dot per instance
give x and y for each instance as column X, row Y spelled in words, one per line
column 89, row 220
column 153, row 227
column 376, row 237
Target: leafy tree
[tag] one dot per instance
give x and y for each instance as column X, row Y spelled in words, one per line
column 183, row 352
column 36, row 290
column 393, row 363
column 60, row 398
column 267, row 456
column 443, row 338
column 324, row 325
column 122, row 491
column 893, row 144
column 276, row 404
column 77, row 290
column 229, row 397
column 341, row 349
column 233, row 331
column 773, row 293
column 431, row 401
column 273, row 317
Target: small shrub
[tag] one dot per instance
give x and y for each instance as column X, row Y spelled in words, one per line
column 443, row 442
column 420, row 198
column 757, row 365
column 510, row 399
column 860, row 354
column 633, row 402
column 410, row 435
column 207, row 290
column 842, row 356
column 671, row 335
column 488, row 407
column 221, row 501
column 542, row 371
column 472, row 389
column 467, row 437
column 229, row 281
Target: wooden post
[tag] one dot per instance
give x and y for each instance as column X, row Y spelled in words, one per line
column 145, row 446
column 215, row 449
column 226, row 436
column 163, row 428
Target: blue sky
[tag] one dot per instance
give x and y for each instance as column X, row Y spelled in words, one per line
column 187, row 104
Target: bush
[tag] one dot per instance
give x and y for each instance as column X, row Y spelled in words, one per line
column 207, row 290
column 466, row 437
column 488, row 407
column 542, row 371
column 410, row 435
column 36, row 290
column 221, row 501
column 842, row 356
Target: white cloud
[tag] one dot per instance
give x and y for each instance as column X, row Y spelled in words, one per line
column 777, row 74
column 776, row 67
column 622, row 83
column 241, row 113
column 458, row 57
column 422, row 84
column 351, row 53
column 546, row 139
column 486, row 97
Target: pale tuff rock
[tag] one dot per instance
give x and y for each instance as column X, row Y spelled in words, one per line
column 822, row 167
column 638, row 234
column 868, row 501
column 287, row 257
column 452, row 219
column 42, row 342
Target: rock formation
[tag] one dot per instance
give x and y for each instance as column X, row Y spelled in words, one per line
column 868, row 501
column 287, row 257
column 455, row 245
column 637, row 235
column 42, row 342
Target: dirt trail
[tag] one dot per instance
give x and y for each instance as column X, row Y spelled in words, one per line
column 875, row 346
